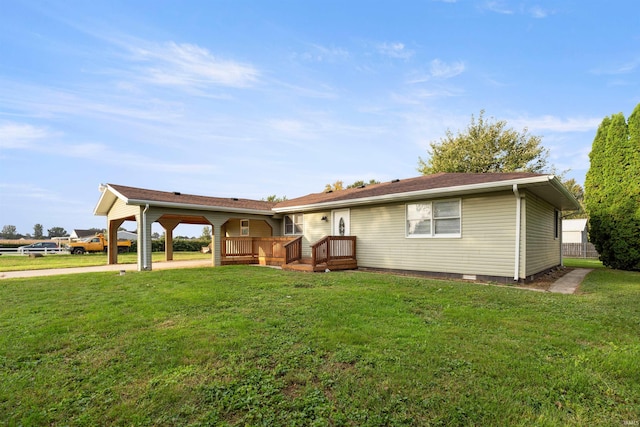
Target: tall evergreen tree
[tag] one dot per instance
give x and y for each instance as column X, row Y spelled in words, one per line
column 612, row 191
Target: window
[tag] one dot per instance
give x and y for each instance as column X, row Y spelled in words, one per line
column 434, row 219
column 556, row 224
column 293, row 224
column 244, row 227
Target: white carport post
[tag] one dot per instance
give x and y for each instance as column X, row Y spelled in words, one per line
column 145, row 219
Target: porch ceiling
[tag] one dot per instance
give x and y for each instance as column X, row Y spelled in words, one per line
column 185, row 219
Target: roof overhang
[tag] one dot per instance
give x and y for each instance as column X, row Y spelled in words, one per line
column 547, row 187
column 110, row 195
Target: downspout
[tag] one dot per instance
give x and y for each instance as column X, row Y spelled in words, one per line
column 144, row 237
column 516, row 273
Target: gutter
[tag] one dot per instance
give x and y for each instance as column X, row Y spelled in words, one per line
column 516, row 272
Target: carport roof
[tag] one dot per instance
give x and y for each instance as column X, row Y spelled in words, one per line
column 173, row 199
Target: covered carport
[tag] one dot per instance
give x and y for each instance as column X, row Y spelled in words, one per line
column 121, row 203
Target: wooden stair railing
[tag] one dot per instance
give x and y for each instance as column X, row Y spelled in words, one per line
column 293, row 250
column 332, row 248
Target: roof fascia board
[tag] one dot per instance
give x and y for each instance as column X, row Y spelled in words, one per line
column 108, row 189
column 447, row 191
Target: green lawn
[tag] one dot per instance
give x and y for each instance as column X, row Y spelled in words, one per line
column 18, row 263
column 256, row 346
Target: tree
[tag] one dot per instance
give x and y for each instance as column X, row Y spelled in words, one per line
column 485, row 146
column 362, row 183
column 9, row 232
column 57, row 232
column 339, row 185
column 336, row 186
column 275, row 199
column 578, row 192
column 206, row 233
column 38, row 231
column 612, row 191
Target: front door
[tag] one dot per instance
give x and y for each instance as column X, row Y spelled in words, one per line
column 340, row 219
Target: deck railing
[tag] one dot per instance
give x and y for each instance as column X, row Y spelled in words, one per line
column 254, row 248
column 332, row 248
column 293, row 250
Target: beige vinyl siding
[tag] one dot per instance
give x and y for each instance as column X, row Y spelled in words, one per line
column 542, row 248
column 486, row 247
column 121, row 210
column 314, row 229
column 257, row 228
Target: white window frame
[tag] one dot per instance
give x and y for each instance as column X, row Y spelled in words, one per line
column 432, row 220
column 297, row 222
column 244, row 227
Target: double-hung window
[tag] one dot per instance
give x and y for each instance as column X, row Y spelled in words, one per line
column 439, row 218
column 293, row 224
column 244, row 227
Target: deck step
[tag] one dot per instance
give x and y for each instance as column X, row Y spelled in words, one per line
column 297, row 266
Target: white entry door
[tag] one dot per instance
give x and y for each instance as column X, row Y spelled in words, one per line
column 341, row 223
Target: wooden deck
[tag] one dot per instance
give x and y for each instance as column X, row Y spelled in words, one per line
column 329, row 253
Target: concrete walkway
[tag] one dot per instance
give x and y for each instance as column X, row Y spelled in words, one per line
column 162, row 265
column 568, row 283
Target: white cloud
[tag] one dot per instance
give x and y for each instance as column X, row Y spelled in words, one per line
column 556, row 124
column 538, row 12
column 319, row 53
column 438, row 70
column 443, row 70
column 20, row 135
column 498, row 7
column 395, row 50
column 185, row 64
column 622, row 68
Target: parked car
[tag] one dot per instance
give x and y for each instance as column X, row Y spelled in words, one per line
column 39, row 247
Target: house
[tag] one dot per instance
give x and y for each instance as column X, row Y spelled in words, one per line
column 574, row 230
column 503, row 226
column 78, row 234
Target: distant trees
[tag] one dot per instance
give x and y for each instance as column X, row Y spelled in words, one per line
column 486, row 146
column 339, row 185
column 57, row 232
column 612, row 191
column 38, row 231
column 206, row 233
column 274, row 198
column 578, row 192
column 9, row 232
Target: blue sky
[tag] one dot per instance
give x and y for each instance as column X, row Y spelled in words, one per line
column 254, row 98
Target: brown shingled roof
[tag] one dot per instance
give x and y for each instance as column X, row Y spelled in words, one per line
column 427, row 182
column 140, row 195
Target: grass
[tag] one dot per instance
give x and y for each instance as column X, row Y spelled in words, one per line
column 19, row 263
column 582, row 263
column 242, row 345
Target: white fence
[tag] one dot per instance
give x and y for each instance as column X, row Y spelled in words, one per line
column 27, row 251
